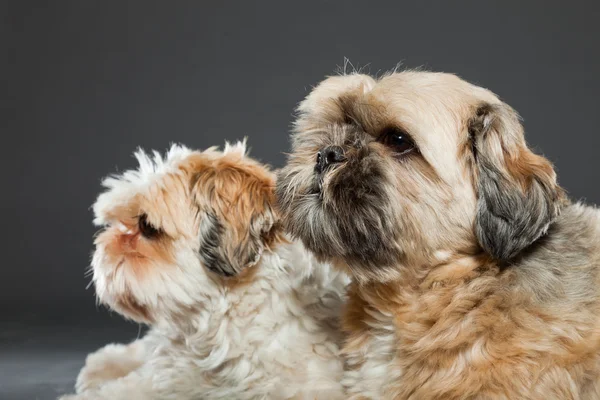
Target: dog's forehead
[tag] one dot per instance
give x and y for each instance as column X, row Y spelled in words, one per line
column 434, row 86
column 431, row 107
column 427, row 89
column 163, row 183
column 142, row 190
column 424, row 98
column 409, row 98
column 127, row 192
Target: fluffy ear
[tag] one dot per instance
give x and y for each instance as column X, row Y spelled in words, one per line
column 238, row 222
column 518, row 196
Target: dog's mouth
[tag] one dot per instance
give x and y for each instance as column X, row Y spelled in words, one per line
column 318, row 184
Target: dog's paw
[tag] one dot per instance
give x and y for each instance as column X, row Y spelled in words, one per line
column 111, row 362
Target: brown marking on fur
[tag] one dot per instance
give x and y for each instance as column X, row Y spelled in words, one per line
column 126, row 303
column 232, row 186
column 242, row 279
column 365, row 112
column 330, row 110
column 140, row 254
column 355, row 316
column 527, row 166
column 158, row 250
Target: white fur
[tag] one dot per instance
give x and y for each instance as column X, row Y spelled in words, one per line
column 274, row 340
column 367, row 374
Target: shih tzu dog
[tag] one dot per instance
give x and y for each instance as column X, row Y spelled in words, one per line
column 474, row 276
column 192, row 246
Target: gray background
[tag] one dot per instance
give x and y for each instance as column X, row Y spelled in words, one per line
column 84, row 83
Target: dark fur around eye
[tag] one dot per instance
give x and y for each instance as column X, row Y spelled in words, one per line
column 397, row 140
column 146, row 228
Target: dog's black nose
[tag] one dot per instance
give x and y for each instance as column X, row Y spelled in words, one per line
column 329, row 156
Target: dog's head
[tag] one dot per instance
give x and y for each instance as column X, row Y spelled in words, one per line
column 181, row 229
column 410, row 167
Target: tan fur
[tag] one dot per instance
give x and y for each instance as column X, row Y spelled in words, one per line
column 462, row 323
column 462, row 335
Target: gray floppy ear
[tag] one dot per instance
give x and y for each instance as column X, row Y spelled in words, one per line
column 228, row 248
column 518, row 197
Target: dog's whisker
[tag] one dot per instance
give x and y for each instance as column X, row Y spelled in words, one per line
column 91, row 282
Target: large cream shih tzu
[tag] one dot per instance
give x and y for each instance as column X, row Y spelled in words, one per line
column 474, row 276
column 192, row 245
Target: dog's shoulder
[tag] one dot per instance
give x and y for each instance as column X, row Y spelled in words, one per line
column 565, row 264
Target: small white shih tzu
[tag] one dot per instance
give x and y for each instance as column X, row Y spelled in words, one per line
column 192, row 245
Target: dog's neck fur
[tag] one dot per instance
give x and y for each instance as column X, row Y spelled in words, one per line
column 396, row 321
column 449, row 271
column 282, row 305
column 281, row 272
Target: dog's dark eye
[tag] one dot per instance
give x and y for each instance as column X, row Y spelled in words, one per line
column 146, row 228
column 396, row 140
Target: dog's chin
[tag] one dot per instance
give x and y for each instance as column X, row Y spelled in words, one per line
column 116, row 293
column 336, row 222
column 128, row 306
column 125, row 303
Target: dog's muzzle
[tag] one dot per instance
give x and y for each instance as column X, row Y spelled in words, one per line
column 327, row 157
